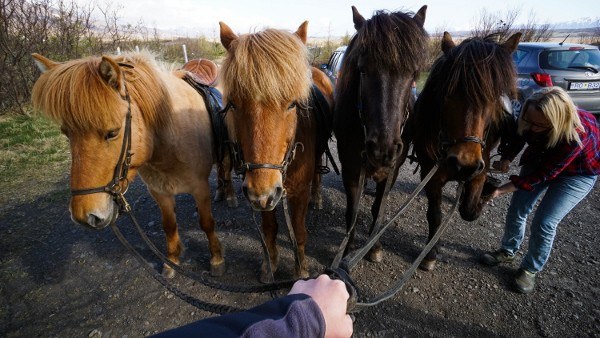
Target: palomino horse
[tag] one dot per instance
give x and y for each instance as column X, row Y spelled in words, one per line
column 267, row 85
column 373, row 98
column 457, row 121
column 107, row 104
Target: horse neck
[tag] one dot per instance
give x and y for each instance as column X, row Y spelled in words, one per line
column 188, row 126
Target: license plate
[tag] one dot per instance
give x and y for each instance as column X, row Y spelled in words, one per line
column 584, row 85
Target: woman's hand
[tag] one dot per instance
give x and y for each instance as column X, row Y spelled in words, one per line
column 502, row 165
column 504, row 189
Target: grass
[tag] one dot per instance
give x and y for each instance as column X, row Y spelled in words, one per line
column 34, row 156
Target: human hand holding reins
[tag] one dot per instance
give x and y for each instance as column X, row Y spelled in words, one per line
column 331, row 296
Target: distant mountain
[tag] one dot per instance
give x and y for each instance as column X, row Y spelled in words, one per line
column 589, row 22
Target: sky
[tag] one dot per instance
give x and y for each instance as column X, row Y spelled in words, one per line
column 332, row 17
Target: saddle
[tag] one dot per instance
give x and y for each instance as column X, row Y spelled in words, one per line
column 202, row 71
column 201, row 74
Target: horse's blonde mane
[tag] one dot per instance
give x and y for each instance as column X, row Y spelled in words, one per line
column 270, row 67
column 74, row 94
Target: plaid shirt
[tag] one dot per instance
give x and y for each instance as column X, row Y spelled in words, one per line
column 563, row 159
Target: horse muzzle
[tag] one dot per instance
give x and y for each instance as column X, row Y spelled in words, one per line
column 96, row 218
column 265, row 201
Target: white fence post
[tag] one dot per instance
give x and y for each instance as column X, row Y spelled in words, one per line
column 118, row 50
column 185, row 58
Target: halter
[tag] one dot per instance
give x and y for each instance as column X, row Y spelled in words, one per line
column 114, row 187
column 241, row 166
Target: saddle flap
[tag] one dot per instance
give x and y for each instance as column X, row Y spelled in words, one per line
column 202, row 71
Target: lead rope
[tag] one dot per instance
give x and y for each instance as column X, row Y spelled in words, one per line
column 408, row 274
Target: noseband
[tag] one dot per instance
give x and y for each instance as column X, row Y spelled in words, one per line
column 241, row 166
column 119, row 184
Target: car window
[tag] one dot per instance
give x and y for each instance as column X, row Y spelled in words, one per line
column 570, row 59
column 519, row 55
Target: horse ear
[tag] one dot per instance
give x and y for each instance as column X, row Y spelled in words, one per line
column 358, row 19
column 302, row 31
column 420, row 16
column 44, row 64
column 447, row 43
column 112, row 74
column 227, row 35
column 512, row 43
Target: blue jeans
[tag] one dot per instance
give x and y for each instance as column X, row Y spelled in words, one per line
column 562, row 194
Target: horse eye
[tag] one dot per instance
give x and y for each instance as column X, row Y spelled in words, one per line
column 111, row 134
column 292, row 106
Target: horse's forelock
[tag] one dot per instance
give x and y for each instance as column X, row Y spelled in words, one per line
column 393, row 41
column 270, row 67
column 75, row 95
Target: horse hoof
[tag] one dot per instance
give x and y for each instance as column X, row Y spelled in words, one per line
column 375, row 255
column 168, row 272
column 427, row 265
column 318, row 204
column 232, row 202
column 266, row 278
column 301, row 275
column 219, row 196
column 217, row 270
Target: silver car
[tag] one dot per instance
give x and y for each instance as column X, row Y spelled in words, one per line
column 574, row 67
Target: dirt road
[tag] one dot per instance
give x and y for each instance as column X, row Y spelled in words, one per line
column 60, row 280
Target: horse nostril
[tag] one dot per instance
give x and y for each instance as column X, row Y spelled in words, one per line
column 245, row 191
column 480, row 166
column 371, row 147
column 94, row 220
column 278, row 191
column 452, row 161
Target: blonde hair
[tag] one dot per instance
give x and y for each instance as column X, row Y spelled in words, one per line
column 270, row 67
column 558, row 108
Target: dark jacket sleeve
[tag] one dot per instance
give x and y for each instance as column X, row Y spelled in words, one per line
column 290, row 316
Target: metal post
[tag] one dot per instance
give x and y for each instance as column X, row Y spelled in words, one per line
column 137, row 48
column 118, row 50
column 185, row 58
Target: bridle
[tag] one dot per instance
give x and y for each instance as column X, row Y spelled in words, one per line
column 117, row 187
column 241, row 166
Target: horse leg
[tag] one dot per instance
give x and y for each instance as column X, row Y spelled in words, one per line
column 376, row 253
column 433, row 190
column 166, row 203
column 316, row 197
column 207, row 223
column 350, row 181
column 225, row 185
column 269, row 229
column 299, row 208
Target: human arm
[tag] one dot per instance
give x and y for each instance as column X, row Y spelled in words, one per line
column 552, row 163
column 313, row 308
column 503, row 189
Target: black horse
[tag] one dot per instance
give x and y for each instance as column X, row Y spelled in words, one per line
column 373, row 98
column 458, row 119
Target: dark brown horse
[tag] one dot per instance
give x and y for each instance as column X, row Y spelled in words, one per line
column 373, row 98
column 268, row 86
column 457, row 121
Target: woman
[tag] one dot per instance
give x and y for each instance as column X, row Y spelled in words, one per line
column 563, row 160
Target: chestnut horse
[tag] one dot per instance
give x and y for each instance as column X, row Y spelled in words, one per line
column 267, row 84
column 457, row 121
column 105, row 103
column 373, row 98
